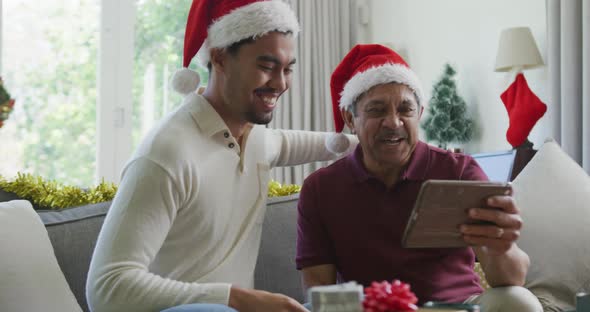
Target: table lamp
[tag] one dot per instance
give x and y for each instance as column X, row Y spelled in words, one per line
column 518, row 51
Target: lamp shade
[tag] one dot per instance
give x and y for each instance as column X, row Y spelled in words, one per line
column 517, row 49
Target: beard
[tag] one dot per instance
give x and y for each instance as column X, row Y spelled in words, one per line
column 258, row 118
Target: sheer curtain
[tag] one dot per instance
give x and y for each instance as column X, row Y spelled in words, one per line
column 568, row 33
column 327, row 35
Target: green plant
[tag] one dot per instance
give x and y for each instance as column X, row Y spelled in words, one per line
column 447, row 121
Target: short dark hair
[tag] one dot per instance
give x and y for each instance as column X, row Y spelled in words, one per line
column 235, row 47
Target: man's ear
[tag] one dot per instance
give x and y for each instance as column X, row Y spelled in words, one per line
column 421, row 111
column 348, row 118
column 217, row 59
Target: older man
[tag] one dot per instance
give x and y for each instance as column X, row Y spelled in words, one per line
column 352, row 214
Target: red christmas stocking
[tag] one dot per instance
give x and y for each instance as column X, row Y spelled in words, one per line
column 524, row 110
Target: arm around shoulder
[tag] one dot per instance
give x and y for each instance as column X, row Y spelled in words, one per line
column 296, row 147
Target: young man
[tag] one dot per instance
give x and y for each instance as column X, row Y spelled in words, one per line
column 352, row 214
column 185, row 225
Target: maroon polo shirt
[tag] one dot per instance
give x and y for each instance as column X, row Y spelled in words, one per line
column 350, row 219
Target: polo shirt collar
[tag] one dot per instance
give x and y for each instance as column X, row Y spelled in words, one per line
column 205, row 115
column 415, row 171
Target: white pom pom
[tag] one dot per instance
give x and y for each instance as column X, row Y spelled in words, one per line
column 185, row 81
column 337, row 143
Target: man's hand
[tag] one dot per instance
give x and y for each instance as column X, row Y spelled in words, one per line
column 247, row 300
column 494, row 244
column 499, row 236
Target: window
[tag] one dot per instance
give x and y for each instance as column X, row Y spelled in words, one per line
column 90, row 77
column 49, row 53
column 159, row 40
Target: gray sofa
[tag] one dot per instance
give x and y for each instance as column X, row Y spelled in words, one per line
column 552, row 192
column 73, row 233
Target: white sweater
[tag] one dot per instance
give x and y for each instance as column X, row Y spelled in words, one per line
column 186, row 221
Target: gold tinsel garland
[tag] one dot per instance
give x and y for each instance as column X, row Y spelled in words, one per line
column 277, row 189
column 52, row 195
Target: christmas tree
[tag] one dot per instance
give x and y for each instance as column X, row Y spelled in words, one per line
column 447, row 121
column 6, row 104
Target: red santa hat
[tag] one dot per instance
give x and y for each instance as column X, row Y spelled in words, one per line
column 364, row 67
column 221, row 23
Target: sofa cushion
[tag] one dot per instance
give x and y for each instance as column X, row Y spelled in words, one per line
column 275, row 269
column 553, row 194
column 73, row 233
column 31, row 279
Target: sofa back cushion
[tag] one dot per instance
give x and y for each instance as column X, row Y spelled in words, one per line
column 7, row 196
column 275, row 269
column 553, row 194
column 30, row 277
column 73, row 233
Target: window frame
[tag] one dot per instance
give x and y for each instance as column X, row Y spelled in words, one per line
column 115, row 83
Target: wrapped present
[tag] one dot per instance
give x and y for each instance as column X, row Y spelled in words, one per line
column 344, row 297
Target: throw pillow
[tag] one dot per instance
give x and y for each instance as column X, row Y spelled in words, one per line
column 30, row 277
column 553, row 194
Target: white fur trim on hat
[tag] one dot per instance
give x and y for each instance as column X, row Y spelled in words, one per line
column 252, row 20
column 362, row 82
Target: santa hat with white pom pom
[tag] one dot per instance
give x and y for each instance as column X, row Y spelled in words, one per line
column 221, row 23
column 364, row 67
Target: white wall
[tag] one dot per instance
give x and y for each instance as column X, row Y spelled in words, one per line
column 465, row 33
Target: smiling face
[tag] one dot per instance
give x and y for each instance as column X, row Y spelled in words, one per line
column 255, row 76
column 386, row 120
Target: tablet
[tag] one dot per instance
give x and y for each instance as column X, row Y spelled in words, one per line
column 441, row 207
